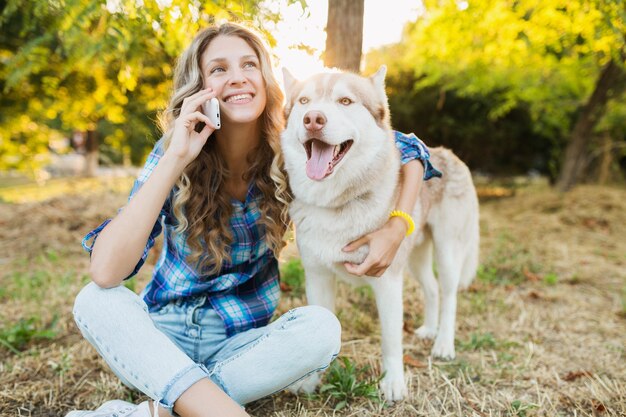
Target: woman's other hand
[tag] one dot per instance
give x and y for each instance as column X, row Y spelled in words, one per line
column 384, row 242
column 383, row 245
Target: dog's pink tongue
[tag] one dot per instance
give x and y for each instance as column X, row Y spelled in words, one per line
column 321, row 156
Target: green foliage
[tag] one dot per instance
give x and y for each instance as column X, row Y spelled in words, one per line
column 76, row 65
column 520, row 408
column 292, row 275
column 345, row 382
column 28, row 285
column 445, row 117
column 130, row 284
column 551, row 278
column 479, row 342
column 51, row 255
column 15, row 337
column 502, row 82
column 484, row 341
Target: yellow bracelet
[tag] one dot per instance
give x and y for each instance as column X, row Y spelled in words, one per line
column 407, row 218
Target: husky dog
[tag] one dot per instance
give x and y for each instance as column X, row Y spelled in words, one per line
column 344, row 172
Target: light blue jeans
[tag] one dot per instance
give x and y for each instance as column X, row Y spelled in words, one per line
column 164, row 353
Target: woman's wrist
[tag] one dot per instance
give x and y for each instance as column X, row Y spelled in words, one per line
column 398, row 225
column 174, row 162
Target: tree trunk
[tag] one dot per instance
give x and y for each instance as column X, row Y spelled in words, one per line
column 610, row 81
column 607, row 159
column 344, row 34
column 91, row 155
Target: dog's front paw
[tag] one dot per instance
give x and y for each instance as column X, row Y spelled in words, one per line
column 443, row 349
column 426, row 332
column 393, row 387
column 307, row 384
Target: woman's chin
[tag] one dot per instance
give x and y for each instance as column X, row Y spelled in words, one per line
column 242, row 118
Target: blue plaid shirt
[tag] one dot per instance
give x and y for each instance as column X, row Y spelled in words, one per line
column 246, row 290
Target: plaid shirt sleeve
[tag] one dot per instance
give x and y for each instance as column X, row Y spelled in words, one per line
column 149, row 166
column 411, row 147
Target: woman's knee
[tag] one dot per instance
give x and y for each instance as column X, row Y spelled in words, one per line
column 93, row 301
column 322, row 331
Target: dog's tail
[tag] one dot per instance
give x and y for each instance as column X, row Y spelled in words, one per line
column 470, row 262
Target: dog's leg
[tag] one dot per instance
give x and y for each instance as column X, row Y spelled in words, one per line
column 320, row 286
column 320, row 290
column 388, row 290
column 421, row 266
column 449, row 261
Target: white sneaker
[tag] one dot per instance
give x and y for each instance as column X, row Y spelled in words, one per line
column 115, row 408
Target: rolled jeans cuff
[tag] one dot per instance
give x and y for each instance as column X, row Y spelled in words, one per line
column 181, row 383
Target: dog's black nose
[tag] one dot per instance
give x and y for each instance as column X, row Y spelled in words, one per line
column 314, row 120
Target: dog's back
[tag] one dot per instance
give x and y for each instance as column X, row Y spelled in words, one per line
column 453, row 209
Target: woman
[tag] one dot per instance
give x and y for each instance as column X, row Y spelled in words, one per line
column 198, row 341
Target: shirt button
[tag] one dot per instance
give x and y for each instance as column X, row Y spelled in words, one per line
column 193, row 333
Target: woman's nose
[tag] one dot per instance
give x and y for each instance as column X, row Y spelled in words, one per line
column 237, row 76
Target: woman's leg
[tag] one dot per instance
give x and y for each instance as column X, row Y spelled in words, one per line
column 260, row 362
column 117, row 323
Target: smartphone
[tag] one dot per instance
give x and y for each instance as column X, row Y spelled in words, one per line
column 211, row 109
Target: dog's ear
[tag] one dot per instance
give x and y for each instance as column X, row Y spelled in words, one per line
column 288, row 80
column 379, row 78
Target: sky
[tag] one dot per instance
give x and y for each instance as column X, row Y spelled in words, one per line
column 383, row 21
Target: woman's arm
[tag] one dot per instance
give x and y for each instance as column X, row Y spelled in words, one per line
column 121, row 243
column 384, row 242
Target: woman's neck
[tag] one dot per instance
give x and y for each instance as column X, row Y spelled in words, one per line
column 234, row 144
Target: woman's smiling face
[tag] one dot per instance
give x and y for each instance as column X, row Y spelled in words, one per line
column 232, row 69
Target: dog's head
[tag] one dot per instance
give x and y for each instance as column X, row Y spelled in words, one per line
column 337, row 129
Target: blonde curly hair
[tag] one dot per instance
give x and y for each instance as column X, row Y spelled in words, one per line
column 201, row 206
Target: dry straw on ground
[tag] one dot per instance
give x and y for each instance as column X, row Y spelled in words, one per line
column 540, row 333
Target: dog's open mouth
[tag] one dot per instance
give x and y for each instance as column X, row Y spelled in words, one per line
column 322, row 157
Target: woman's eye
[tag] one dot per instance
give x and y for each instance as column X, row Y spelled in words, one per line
column 303, row 100
column 217, row 69
column 346, row 101
column 250, row 64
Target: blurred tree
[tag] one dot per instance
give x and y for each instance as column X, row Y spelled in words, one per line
column 344, row 34
column 80, row 65
column 543, row 55
column 612, row 80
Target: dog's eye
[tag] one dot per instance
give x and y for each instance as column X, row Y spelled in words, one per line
column 345, row 101
column 303, row 100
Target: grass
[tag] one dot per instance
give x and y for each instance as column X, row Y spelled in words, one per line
column 61, row 187
column 292, row 277
column 521, row 409
column 539, row 333
column 551, row 279
column 508, row 262
column 15, row 337
column 346, row 382
column 483, row 341
column 479, row 342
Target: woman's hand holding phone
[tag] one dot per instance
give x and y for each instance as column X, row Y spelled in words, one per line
column 186, row 143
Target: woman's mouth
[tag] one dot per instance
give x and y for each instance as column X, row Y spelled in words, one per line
column 239, row 98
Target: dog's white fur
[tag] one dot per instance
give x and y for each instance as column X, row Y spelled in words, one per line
column 357, row 197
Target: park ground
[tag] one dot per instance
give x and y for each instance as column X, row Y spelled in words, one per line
column 541, row 331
